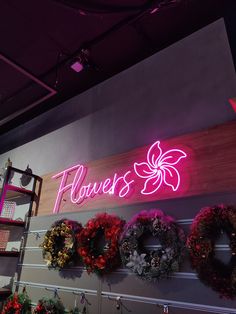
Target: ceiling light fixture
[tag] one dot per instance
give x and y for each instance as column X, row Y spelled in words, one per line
column 81, row 61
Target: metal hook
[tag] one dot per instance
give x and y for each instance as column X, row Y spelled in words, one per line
column 165, row 308
column 55, row 291
column 118, row 303
column 82, row 299
column 56, row 294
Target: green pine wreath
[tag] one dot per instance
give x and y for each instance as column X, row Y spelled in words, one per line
column 158, row 263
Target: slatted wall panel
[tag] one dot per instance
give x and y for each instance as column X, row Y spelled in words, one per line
column 182, row 287
column 8, row 264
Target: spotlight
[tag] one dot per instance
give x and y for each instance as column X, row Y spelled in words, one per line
column 81, row 61
column 77, row 66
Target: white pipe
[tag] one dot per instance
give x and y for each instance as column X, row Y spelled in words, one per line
column 171, row 303
column 61, row 288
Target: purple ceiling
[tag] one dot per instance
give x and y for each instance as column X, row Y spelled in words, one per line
column 41, row 39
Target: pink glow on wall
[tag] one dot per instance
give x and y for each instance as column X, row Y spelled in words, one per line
column 232, row 102
column 158, row 169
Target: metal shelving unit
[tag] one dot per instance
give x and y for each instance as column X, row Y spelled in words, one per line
column 11, row 222
column 11, row 192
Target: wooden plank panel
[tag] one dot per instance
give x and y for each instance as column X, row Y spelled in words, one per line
column 209, row 168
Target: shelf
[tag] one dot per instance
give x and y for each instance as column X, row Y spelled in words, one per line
column 5, row 292
column 15, row 192
column 6, row 221
column 21, row 195
column 9, row 253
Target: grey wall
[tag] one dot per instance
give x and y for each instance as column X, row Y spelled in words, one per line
column 182, row 89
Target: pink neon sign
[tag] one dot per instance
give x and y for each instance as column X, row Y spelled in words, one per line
column 159, row 168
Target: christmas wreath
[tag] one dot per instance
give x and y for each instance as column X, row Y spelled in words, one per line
column 106, row 227
column 52, row 306
column 59, row 244
column 17, row 303
column 206, row 228
column 158, row 263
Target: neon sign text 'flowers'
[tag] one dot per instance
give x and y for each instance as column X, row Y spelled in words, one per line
column 158, row 168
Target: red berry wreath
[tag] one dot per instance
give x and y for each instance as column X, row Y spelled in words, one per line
column 105, row 259
column 207, row 227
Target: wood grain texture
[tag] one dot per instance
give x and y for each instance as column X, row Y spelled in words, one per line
column 209, row 168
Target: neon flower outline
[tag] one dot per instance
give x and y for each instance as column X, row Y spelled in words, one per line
column 159, row 168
